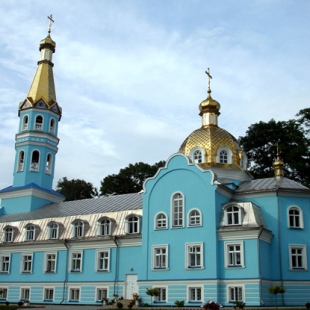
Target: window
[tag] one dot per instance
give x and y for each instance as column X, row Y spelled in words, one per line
column 53, row 230
column 177, row 210
column 35, row 159
column 223, row 157
column 76, row 262
column 30, row 233
column 295, row 217
column 101, row 293
column 235, row 293
column 197, row 157
column 195, row 294
column 105, row 227
column 194, row 218
column 160, row 257
column 50, row 262
column 25, row 122
column 8, row 234
column 52, row 126
column 74, row 294
column 48, row 164
column 194, row 256
column 21, row 160
column 24, row 293
column 233, row 215
column 48, row 294
column 298, row 257
column 5, row 263
column 162, row 297
column 103, row 260
column 133, row 224
column 161, row 221
column 3, row 293
column 234, row 255
column 26, row 263
column 39, row 123
column 78, row 229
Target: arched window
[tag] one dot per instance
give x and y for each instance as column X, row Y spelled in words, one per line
column 197, row 157
column 194, row 218
column 177, row 209
column 133, row 224
column 233, row 215
column 21, row 160
column 53, row 231
column 30, row 233
column 78, row 229
column 161, row 221
column 39, row 123
column 48, row 165
column 35, row 159
column 105, row 227
column 52, row 126
column 223, row 157
column 8, row 234
column 295, row 218
column 25, row 122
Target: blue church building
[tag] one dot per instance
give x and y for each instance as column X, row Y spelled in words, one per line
column 202, row 228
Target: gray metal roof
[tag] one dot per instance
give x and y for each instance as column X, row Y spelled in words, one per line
column 80, row 207
column 270, row 184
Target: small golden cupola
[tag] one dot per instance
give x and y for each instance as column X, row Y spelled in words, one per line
column 42, row 93
column 278, row 166
column 210, row 145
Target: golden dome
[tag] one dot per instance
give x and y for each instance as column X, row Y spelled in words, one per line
column 209, row 105
column 48, row 43
column 211, row 139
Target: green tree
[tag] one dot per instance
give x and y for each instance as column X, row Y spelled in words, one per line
column 275, row 290
column 260, row 144
column 76, row 189
column 129, row 179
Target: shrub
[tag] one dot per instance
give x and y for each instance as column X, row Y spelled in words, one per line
column 7, row 303
column 211, row 305
column 119, row 305
column 307, row 305
column 179, row 303
column 20, row 303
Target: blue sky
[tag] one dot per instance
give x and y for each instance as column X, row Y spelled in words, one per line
column 130, row 75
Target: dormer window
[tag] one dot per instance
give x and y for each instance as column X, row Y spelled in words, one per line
column 30, row 233
column 197, row 155
column 105, row 228
column 132, row 224
column 39, row 123
column 8, row 234
column 224, row 155
column 25, row 122
column 78, row 229
column 233, row 215
column 53, row 231
column 35, row 159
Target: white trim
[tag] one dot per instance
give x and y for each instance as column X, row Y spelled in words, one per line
column 70, row 288
column 160, row 287
column 203, row 155
column 154, row 248
column 7, row 291
column 76, row 270
column 188, row 218
column 155, row 221
column 48, row 288
column 172, row 213
column 45, row 268
column 232, row 285
column 21, row 289
column 97, row 288
column 35, row 168
column 303, row 248
column 97, row 260
column 229, row 154
column 301, row 218
column 226, row 255
column 22, row 263
column 2, row 263
column 193, row 286
column 187, row 257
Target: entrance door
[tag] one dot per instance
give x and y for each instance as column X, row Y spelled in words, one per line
column 131, row 285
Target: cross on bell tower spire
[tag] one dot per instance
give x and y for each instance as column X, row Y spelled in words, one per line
column 50, row 23
column 209, row 79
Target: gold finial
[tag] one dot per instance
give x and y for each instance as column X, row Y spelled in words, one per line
column 50, row 22
column 209, row 79
column 278, row 165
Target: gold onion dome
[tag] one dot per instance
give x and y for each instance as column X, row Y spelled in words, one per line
column 48, row 43
column 211, row 140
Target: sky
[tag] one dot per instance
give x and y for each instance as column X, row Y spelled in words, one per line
column 130, row 75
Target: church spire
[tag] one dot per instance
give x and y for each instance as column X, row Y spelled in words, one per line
column 278, row 165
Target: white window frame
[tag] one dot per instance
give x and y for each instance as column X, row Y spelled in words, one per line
column 78, row 227
column 295, row 216
column 161, row 223
column 133, row 224
column 30, row 232
column 24, row 293
column 37, row 125
column 49, row 261
column 193, row 155
column 75, row 289
column 193, row 293
column 190, row 250
column 29, row 261
column 228, row 152
column 21, row 161
column 48, row 290
column 53, row 230
column 35, row 166
column 160, row 255
column 49, row 163
column 52, row 128
column 5, row 263
column 104, row 227
column 4, row 294
column 105, row 259
column 101, row 292
column 8, row 236
column 231, row 256
column 233, row 288
column 25, row 124
column 194, row 218
column 177, row 210
column 232, row 214
column 76, row 256
column 303, row 255
column 163, row 294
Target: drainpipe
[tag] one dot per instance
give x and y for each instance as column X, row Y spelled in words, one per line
column 261, row 228
column 66, row 271
column 116, row 264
